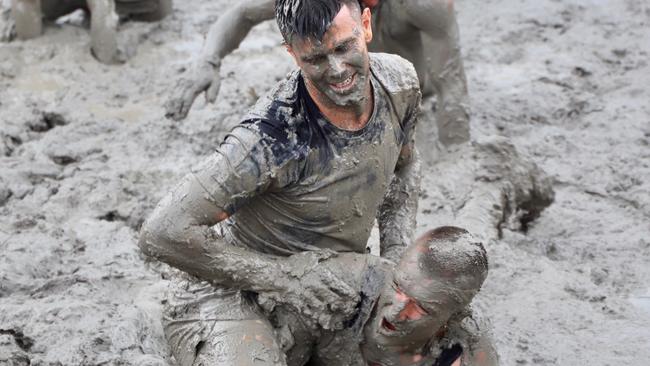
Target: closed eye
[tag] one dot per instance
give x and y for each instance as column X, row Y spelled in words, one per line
column 314, row 59
column 341, row 49
column 413, row 304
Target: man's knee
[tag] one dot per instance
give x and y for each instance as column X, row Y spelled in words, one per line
column 442, row 14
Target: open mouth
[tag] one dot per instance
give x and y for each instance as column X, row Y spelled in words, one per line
column 387, row 325
column 344, row 85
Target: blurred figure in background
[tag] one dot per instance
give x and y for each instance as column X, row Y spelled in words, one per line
column 28, row 16
column 424, row 32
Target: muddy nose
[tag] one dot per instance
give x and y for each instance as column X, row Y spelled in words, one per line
column 397, row 310
column 336, row 67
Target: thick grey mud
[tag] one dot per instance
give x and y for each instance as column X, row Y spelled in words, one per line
column 72, row 281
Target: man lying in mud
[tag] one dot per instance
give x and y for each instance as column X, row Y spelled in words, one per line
column 105, row 15
column 424, row 32
column 416, row 312
column 302, row 176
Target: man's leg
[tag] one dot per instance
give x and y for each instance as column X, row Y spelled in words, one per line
column 448, row 75
column 209, row 326
column 28, row 18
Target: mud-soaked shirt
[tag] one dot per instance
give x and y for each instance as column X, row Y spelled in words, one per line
column 292, row 181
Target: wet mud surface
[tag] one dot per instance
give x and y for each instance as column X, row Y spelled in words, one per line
column 85, row 153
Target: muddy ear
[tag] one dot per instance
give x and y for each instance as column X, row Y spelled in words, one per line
column 366, row 23
column 289, row 49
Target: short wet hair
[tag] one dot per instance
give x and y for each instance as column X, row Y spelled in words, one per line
column 452, row 254
column 307, row 18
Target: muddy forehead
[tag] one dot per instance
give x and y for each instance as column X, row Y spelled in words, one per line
column 429, row 271
column 425, row 290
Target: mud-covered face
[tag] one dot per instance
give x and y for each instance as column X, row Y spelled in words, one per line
column 411, row 310
column 337, row 67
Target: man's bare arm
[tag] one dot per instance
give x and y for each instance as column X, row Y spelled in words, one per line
column 437, row 20
column 224, row 36
column 231, row 28
column 179, row 233
column 398, row 211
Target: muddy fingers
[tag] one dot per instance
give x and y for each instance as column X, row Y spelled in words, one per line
column 188, row 88
column 213, row 90
column 314, row 290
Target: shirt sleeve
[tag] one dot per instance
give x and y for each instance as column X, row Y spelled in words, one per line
column 411, row 116
column 241, row 168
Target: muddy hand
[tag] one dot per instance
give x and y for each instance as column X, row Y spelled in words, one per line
column 311, row 286
column 204, row 77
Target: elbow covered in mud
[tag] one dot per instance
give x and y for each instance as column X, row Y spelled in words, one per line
column 157, row 235
column 150, row 239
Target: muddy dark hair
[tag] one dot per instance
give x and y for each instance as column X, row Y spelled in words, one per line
column 307, row 18
column 451, row 252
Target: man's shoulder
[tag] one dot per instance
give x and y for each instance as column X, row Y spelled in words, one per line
column 279, row 102
column 396, row 74
column 277, row 118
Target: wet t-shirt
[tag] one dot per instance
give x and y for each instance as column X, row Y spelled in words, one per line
column 292, row 181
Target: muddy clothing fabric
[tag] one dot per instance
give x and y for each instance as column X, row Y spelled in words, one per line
column 291, row 182
column 449, row 355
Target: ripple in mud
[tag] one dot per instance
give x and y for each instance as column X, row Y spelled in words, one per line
column 25, row 343
column 48, row 121
column 112, row 216
column 63, row 159
column 8, row 144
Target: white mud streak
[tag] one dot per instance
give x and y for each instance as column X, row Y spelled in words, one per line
column 85, row 153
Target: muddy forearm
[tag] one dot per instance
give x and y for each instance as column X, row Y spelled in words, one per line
column 231, row 28
column 399, row 209
column 305, row 281
column 447, row 76
column 179, row 233
column 207, row 257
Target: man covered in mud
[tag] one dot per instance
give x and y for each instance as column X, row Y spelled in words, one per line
column 416, row 312
column 28, row 15
column 424, row 32
column 301, row 178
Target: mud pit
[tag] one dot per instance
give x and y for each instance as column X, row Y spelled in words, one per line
column 85, row 153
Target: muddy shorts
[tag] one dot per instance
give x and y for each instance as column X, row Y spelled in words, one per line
column 207, row 325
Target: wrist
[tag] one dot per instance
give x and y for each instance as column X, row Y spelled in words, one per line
column 393, row 252
column 213, row 62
